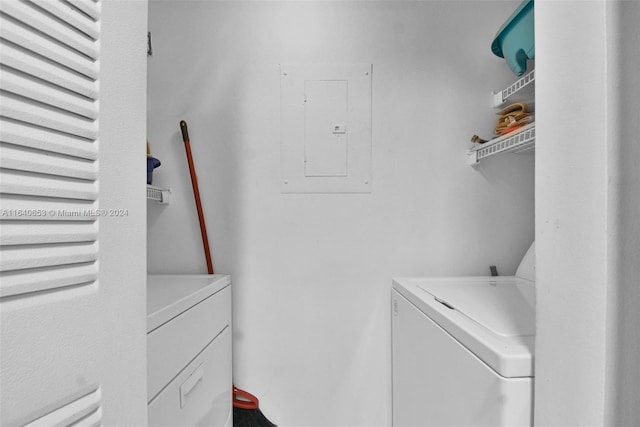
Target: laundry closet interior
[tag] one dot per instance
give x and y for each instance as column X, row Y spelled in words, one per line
column 311, row 246
column 311, row 268
column 332, row 152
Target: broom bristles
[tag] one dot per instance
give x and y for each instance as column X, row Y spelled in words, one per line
column 250, row 418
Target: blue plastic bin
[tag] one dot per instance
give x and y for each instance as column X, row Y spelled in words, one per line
column 515, row 40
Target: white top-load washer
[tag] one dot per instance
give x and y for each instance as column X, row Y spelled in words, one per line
column 463, row 349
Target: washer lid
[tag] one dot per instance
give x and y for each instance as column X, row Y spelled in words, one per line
column 505, row 308
column 493, row 317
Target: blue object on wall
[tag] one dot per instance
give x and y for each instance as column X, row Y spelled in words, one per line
column 514, row 41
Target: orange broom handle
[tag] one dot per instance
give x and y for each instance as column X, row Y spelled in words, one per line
column 196, row 194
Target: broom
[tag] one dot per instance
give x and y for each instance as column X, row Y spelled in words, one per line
column 196, row 195
column 246, row 412
column 245, row 405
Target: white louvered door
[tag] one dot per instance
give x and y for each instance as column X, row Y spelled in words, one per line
column 59, row 300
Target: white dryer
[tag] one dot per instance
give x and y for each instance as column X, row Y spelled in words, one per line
column 189, row 355
column 463, row 349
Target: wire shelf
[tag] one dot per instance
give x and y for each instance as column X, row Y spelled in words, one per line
column 516, row 142
column 160, row 195
column 517, row 87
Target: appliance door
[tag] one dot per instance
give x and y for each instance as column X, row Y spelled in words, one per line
column 200, row 395
column 438, row 382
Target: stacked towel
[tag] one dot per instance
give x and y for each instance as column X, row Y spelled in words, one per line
column 513, row 117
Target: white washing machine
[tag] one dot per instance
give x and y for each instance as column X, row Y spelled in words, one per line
column 463, row 349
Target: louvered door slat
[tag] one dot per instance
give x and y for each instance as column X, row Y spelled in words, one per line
column 41, row 256
column 30, row 233
column 66, row 13
column 20, row 35
column 31, row 184
column 25, row 110
column 14, row 206
column 23, row 60
column 18, row 82
column 18, row 283
column 78, row 412
column 55, row 29
column 34, row 136
column 31, row 160
column 94, row 419
column 90, row 8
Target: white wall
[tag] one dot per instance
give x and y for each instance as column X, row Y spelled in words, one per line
column 122, row 239
column 312, row 273
column 623, row 314
column 571, row 214
column 587, row 205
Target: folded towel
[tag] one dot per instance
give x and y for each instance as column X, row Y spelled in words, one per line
column 516, row 107
column 514, row 115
